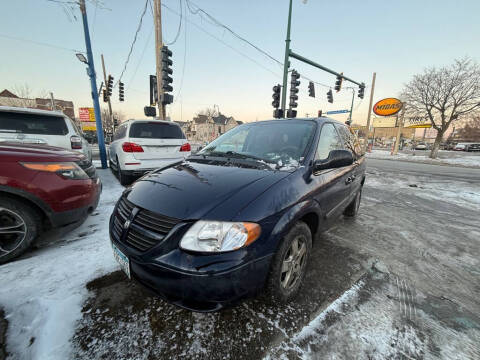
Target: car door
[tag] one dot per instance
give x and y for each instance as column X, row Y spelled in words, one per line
column 332, row 186
column 351, row 143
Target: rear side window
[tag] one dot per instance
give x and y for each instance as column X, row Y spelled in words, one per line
column 20, row 123
column 152, row 130
column 120, row 133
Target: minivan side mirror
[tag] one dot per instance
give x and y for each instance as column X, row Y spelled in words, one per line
column 335, row 159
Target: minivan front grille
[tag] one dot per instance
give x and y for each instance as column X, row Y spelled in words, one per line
column 146, row 229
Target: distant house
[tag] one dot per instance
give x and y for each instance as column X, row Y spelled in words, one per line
column 205, row 128
column 7, row 98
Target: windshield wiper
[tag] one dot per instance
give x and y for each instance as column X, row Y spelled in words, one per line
column 236, row 155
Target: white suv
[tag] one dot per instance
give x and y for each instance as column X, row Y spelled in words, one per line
column 140, row 146
column 41, row 127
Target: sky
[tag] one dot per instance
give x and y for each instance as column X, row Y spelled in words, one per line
column 211, row 67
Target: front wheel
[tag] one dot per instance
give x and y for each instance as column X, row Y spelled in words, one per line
column 19, row 226
column 289, row 264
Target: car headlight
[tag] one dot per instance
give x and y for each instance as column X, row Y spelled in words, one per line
column 68, row 170
column 219, row 236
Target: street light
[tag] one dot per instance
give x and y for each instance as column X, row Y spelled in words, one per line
column 82, row 58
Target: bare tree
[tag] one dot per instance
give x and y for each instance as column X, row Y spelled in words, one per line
column 208, row 112
column 444, row 95
column 471, row 130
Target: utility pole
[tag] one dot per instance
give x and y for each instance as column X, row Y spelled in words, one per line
column 370, row 110
column 351, row 107
column 108, row 97
column 93, row 83
column 157, row 18
column 286, row 63
column 52, row 100
column 399, row 131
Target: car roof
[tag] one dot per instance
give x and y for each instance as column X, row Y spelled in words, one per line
column 24, row 110
column 133, row 121
column 319, row 120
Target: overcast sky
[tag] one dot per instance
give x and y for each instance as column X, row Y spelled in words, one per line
column 395, row 39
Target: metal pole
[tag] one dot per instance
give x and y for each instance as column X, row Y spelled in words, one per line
column 93, row 83
column 108, row 97
column 399, row 131
column 286, row 63
column 370, row 110
column 52, row 99
column 351, row 107
column 157, row 8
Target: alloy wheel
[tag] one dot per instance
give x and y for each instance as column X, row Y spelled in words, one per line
column 293, row 263
column 13, row 231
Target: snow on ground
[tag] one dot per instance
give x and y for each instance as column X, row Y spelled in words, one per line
column 42, row 294
column 445, row 157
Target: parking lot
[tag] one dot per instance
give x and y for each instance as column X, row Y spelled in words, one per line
column 400, row 281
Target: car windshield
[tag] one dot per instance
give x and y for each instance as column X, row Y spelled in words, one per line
column 23, row 123
column 155, row 130
column 281, row 143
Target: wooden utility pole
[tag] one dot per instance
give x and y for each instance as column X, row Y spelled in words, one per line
column 157, row 9
column 370, row 110
column 108, row 97
column 399, row 130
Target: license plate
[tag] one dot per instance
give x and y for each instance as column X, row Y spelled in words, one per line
column 122, row 259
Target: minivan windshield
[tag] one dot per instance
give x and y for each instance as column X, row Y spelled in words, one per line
column 24, row 123
column 155, row 130
column 278, row 142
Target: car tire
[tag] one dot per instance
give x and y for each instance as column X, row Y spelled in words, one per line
column 123, row 178
column 24, row 218
column 352, row 209
column 288, row 262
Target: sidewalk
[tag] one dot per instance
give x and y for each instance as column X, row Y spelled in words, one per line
column 462, row 159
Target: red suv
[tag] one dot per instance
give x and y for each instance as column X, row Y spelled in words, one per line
column 41, row 187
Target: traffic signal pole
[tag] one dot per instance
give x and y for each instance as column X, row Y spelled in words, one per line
column 286, row 63
column 351, row 107
column 93, row 83
column 109, row 102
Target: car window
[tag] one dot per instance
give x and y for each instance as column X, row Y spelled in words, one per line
column 24, row 123
column 234, row 143
column 350, row 140
column 120, row 133
column 156, row 130
column 329, row 140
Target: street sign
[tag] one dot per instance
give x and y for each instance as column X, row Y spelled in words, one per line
column 337, row 112
column 86, row 114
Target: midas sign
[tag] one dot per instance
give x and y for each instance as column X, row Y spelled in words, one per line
column 387, row 107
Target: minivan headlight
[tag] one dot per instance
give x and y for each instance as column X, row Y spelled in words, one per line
column 219, row 236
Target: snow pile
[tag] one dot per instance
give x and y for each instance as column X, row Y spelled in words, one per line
column 43, row 294
column 445, row 158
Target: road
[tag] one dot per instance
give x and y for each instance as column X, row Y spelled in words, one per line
column 412, row 168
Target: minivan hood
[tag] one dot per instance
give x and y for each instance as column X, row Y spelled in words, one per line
column 191, row 191
column 35, row 152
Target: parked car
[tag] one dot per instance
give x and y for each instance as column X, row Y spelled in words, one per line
column 35, row 126
column 41, row 187
column 224, row 224
column 421, row 146
column 460, row 147
column 472, row 147
column 140, row 146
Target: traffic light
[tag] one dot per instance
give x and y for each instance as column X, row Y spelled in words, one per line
column 294, row 83
column 361, row 91
column 105, row 96
column 338, row 83
column 330, row 96
column 153, row 90
column 311, row 89
column 109, row 85
column 319, row 113
column 291, row 113
column 120, row 91
column 166, row 99
column 276, row 96
column 166, row 69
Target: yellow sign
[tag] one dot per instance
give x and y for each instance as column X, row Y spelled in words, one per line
column 89, row 126
column 387, row 107
column 417, row 122
column 86, row 114
column 384, row 122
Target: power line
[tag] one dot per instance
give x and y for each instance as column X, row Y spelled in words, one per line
column 184, row 57
column 179, row 25
column 141, row 57
column 133, row 42
column 40, row 43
